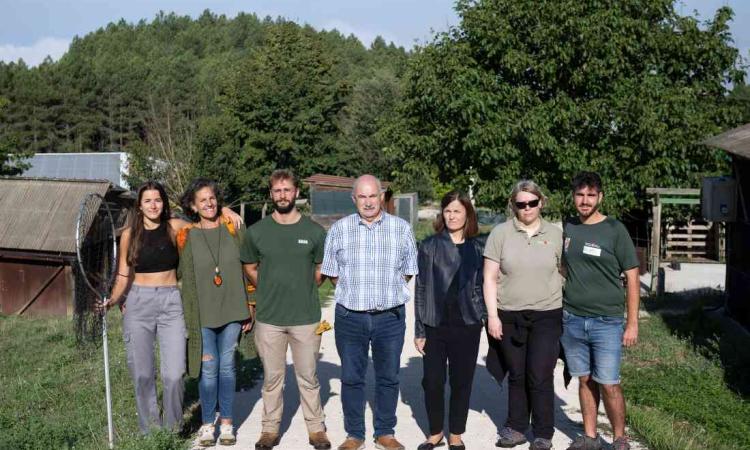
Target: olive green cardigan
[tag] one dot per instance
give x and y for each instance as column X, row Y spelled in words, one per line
column 189, row 293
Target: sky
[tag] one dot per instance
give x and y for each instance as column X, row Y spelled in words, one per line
column 33, row 29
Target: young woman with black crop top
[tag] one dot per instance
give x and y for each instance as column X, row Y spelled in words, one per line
column 147, row 271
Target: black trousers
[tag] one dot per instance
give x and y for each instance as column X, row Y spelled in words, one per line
column 454, row 348
column 530, row 347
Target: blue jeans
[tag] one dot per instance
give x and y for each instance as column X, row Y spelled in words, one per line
column 593, row 346
column 217, row 380
column 355, row 333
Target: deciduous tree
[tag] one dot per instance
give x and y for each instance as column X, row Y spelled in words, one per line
column 543, row 89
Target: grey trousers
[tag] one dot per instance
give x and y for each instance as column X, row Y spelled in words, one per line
column 156, row 313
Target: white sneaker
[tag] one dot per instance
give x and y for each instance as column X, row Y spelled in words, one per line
column 206, row 436
column 226, row 435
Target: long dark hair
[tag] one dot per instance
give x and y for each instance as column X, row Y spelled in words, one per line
column 135, row 221
column 471, row 228
column 189, row 197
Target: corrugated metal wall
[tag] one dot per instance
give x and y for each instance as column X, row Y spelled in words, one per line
column 331, row 203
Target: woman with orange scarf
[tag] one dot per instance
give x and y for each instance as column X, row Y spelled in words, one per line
column 216, row 307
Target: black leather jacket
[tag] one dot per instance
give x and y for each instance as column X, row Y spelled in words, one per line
column 439, row 261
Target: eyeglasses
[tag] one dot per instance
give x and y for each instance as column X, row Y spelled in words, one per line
column 531, row 204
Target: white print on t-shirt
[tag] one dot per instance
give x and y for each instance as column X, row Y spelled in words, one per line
column 302, row 241
column 567, row 244
column 592, row 249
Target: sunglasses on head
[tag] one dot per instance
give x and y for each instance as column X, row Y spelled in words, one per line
column 531, row 204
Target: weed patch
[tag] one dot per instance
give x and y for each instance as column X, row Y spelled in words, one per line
column 677, row 393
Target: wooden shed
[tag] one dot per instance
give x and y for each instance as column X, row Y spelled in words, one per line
column 37, row 241
column 736, row 143
column 331, row 197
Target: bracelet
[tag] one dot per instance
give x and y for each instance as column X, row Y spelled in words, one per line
column 123, row 275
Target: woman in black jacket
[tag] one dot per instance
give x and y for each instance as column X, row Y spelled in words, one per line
column 449, row 310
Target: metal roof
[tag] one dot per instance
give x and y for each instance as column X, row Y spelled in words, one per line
column 40, row 214
column 82, row 166
column 336, row 181
column 735, row 141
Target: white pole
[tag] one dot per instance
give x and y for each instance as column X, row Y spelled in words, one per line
column 105, row 347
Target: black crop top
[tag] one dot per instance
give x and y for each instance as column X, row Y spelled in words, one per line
column 158, row 253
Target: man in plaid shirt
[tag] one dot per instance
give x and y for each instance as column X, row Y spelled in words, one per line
column 370, row 256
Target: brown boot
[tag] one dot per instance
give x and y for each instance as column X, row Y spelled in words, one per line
column 267, row 441
column 319, row 440
column 352, row 444
column 388, row 442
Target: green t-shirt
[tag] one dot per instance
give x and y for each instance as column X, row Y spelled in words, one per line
column 286, row 294
column 218, row 305
column 594, row 257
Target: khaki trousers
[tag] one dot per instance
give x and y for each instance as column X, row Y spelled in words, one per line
column 272, row 342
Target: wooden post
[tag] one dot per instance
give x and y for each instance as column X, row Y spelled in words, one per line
column 242, row 210
column 655, row 243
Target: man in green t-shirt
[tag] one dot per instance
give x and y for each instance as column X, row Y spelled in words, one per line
column 282, row 255
column 596, row 251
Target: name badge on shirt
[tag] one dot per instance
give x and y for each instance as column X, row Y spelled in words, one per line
column 302, row 241
column 591, row 249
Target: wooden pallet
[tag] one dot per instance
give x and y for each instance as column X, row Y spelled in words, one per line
column 689, row 240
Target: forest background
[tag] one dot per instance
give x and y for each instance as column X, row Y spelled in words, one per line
column 519, row 88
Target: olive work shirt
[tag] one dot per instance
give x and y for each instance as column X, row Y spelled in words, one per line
column 529, row 266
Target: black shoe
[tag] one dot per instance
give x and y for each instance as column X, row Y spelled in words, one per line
column 429, row 445
column 460, row 446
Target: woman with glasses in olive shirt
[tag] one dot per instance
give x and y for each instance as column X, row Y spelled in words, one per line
column 523, row 294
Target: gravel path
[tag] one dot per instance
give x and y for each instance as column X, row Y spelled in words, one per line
column 487, row 411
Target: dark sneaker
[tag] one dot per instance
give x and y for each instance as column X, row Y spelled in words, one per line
column 541, row 444
column 621, row 443
column 585, row 443
column 509, row 438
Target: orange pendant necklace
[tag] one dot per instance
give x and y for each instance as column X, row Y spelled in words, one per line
column 217, row 272
column 217, row 277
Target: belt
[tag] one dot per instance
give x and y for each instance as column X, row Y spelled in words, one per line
column 375, row 312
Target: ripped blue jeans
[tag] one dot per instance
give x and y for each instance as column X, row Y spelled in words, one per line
column 218, row 377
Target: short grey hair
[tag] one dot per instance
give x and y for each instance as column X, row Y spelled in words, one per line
column 365, row 176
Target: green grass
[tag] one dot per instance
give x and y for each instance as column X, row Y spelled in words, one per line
column 677, row 393
column 52, row 393
column 325, row 293
column 423, row 229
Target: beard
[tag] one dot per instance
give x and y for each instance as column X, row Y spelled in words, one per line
column 593, row 209
column 284, row 209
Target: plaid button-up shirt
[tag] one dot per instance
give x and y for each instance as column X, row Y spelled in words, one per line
column 370, row 262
